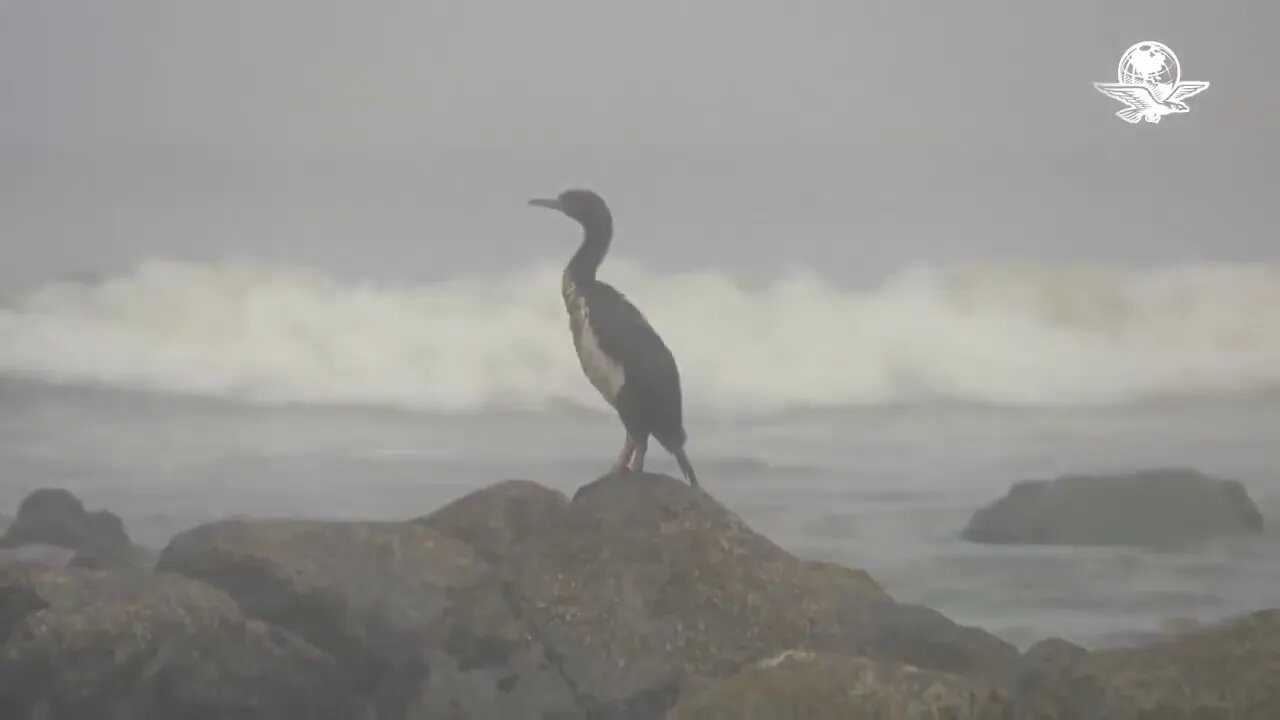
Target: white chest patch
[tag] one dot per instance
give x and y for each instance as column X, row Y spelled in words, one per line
column 605, row 373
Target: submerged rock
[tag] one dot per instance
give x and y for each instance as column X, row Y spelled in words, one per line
column 77, row 644
column 54, row 516
column 1229, row 671
column 1148, row 508
column 807, row 686
column 364, row 592
column 495, row 518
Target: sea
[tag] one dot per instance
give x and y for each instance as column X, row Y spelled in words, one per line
column 861, row 424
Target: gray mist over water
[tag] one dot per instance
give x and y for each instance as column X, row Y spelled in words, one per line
column 398, row 141
column 274, row 258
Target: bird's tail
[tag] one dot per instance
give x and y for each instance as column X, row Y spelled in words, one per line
column 686, row 467
column 674, row 444
column 1129, row 115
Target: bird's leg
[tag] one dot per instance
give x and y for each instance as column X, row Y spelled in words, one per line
column 624, row 459
column 637, row 460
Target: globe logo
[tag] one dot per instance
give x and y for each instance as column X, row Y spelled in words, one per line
column 1150, row 83
column 1151, row 65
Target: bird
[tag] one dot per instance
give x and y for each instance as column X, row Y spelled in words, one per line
column 1143, row 105
column 620, row 352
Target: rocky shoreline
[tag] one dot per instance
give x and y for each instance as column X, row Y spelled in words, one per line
column 640, row 597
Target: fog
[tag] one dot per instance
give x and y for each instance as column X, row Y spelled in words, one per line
column 273, row 261
column 399, row 140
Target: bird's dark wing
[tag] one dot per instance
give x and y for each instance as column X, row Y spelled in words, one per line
column 650, row 398
column 625, row 335
column 1186, row 90
column 1135, row 96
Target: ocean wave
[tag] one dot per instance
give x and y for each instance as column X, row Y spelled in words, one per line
column 1004, row 334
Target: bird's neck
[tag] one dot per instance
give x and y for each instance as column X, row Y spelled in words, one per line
column 595, row 244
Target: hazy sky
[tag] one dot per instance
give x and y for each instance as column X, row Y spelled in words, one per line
column 283, row 129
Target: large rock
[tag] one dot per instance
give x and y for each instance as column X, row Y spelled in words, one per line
column 495, row 518
column 1230, row 671
column 608, row 606
column 365, row 592
column 808, row 686
column 1149, row 508
column 54, row 516
column 77, row 644
column 643, row 585
column 485, row 662
column 645, row 580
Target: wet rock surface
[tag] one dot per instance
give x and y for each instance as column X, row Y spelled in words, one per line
column 78, row 644
column 1163, row 507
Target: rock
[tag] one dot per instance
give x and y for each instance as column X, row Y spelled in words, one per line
column 1228, row 671
column 922, row 636
column 644, row 580
column 484, row 663
column 54, row 516
column 77, row 644
column 495, row 518
column 1042, row 660
column 364, row 592
column 644, row 585
column 808, row 686
column 1148, row 508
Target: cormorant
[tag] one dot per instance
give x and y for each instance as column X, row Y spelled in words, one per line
column 620, row 352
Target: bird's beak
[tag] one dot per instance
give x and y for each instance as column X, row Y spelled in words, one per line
column 547, row 203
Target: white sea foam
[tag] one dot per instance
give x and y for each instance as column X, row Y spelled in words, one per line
column 1043, row 335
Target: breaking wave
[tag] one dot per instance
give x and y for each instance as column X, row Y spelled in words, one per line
column 1029, row 335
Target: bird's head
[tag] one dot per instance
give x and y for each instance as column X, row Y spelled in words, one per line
column 585, row 206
